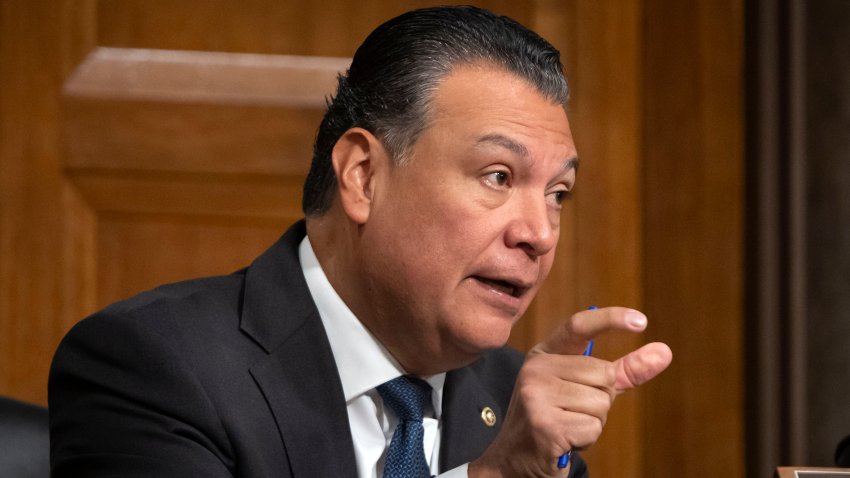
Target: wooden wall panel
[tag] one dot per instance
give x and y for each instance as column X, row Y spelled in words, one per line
column 693, row 234
column 196, row 111
column 190, row 162
column 153, row 136
column 294, row 27
column 38, row 42
column 79, row 259
column 189, row 247
column 260, row 197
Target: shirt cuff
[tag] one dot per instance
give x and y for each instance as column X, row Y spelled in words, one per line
column 459, row 472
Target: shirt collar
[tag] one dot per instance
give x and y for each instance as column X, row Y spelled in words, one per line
column 362, row 361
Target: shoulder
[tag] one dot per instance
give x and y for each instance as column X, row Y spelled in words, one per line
column 169, row 309
column 166, row 331
column 187, row 298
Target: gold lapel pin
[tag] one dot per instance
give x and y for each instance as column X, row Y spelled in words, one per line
column 488, row 416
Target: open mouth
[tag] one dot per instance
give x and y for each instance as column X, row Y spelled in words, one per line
column 503, row 286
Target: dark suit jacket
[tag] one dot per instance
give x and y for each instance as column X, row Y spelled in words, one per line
column 231, row 376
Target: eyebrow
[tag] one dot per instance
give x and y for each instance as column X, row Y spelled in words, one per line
column 520, row 149
column 505, row 142
column 571, row 163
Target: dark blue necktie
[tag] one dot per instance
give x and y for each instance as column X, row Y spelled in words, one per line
column 407, row 397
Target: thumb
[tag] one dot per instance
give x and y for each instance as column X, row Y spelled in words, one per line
column 641, row 366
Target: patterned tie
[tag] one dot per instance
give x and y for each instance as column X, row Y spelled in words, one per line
column 407, row 397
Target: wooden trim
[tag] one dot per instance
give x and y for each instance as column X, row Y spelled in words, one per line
column 809, row 472
column 228, row 195
column 206, row 77
column 145, row 110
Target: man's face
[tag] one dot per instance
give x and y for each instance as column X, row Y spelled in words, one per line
column 460, row 238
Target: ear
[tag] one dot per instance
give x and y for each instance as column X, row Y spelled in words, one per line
column 357, row 158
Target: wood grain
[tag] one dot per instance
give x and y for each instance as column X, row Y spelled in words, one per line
column 160, row 136
column 293, row 27
column 260, row 197
column 693, row 235
column 196, row 111
column 206, row 77
column 188, row 246
column 35, row 49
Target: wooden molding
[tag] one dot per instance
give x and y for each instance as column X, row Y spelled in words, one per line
column 808, row 472
column 206, row 77
column 248, row 196
column 210, row 112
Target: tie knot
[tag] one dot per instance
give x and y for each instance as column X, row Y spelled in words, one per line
column 406, row 396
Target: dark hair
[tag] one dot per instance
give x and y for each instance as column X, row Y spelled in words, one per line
column 389, row 85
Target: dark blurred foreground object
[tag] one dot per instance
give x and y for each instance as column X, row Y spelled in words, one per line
column 842, row 453
column 24, row 440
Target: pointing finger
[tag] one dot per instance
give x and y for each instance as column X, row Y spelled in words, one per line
column 571, row 335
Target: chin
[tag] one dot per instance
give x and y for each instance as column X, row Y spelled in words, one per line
column 462, row 350
column 467, row 336
column 482, row 341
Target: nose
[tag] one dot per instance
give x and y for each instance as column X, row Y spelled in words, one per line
column 532, row 228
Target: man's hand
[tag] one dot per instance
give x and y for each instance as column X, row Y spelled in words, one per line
column 561, row 398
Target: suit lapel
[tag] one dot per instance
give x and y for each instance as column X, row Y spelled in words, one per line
column 465, row 435
column 298, row 378
column 304, row 393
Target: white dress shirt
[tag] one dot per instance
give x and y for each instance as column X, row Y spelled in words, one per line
column 364, row 364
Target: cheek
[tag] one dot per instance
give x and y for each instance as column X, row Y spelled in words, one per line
column 464, row 237
column 436, row 230
column 546, row 263
column 439, row 251
column 447, row 226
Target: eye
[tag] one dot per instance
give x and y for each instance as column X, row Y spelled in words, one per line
column 558, row 197
column 498, row 179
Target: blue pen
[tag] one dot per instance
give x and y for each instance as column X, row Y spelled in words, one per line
column 564, row 460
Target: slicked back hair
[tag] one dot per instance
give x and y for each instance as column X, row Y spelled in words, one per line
column 388, row 88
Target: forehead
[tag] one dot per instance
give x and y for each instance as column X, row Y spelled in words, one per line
column 484, row 101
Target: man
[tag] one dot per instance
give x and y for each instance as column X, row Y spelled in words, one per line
column 432, row 214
